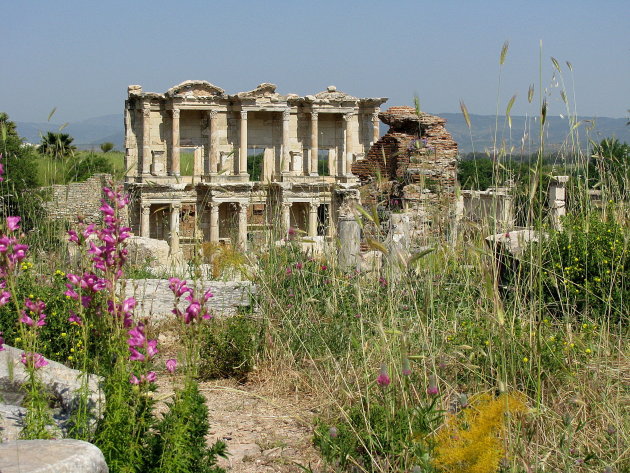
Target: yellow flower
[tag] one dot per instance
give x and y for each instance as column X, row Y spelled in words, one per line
column 63, row 334
column 584, row 325
column 18, row 339
column 70, row 358
column 525, row 360
column 552, row 339
column 572, row 345
column 31, row 296
column 71, row 350
column 487, row 342
column 587, row 351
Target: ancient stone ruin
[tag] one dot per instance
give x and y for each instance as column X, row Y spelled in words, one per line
column 259, row 158
column 412, row 168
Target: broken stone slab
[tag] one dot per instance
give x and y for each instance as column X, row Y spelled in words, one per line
column 147, row 251
column 63, row 384
column 51, row 456
column 514, row 242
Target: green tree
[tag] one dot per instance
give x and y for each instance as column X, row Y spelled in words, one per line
column 57, row 145
column 107, row 147
column 610, row 163
column 18, row 195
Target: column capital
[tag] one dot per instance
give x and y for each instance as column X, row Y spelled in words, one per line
column 242, row 206
column 314, row 115
column 212, row 114
column 175, row 112
column 287, row 204
column 176, row 205
column 146, row 112
column 348, row 116
column 375, row 116
column 243, row 114
column 286, row 114
column 313, row 205
column 146, row 207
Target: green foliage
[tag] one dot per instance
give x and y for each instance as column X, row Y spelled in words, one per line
column 586, row 267
column 87, row 165
column 475, row 173
column 382, row 433
column 610, row 164
column 229, row 347
column 57, row 145
column 107, row 147
column 179, row 441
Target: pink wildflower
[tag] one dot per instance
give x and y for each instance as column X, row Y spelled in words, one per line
column 13, row 223
column 75, row 319
column 383, row 378
column 171, row 364
column 33, row 360
column 5, row 297
column 432, row 389
column 406, row 369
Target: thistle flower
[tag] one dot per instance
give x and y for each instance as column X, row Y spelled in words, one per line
column 406, row 368
column 333, row 433
column 432, row 389
column 383, row 378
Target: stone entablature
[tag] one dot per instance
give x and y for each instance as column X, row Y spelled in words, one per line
column 294, row 133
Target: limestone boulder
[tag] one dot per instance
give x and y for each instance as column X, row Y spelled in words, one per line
column 147, row 251
column 51, row 456
column 63, row 385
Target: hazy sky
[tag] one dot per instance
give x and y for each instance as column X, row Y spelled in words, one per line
column 79, row 56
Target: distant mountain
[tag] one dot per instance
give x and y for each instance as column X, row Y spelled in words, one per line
column 556, row 131
column 90, row 133
column 87, row 134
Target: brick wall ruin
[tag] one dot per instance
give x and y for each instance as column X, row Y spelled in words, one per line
column 412, row 167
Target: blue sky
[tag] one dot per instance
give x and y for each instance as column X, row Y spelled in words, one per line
column 79, row 56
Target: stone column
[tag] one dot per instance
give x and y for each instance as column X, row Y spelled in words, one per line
column 376, row 124
column 349, row 235
column 314, row 144
column 175, row 166
column 557, row 200
column 286, row 158
column 145, row 230
column 286, row 216
column 212, row 142
column 349, row 130
column 214, row 221
column 174, row 227
column 146, row 140
column 312, row 217
column 242, row 167
column 242, row 225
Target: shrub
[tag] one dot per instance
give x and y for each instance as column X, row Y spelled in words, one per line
column 229, row 347
column 179, row 444
column 586, row 268
column 86, row 167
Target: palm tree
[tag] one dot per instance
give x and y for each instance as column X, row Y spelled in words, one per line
column 57, row 145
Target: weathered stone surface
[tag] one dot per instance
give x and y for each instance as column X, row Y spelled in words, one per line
column 147, row 251
column 51, row 456
column 156, row 299
column 61, row 382
column 11, row 421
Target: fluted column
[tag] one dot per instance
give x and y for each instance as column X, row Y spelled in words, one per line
column 312, row 217
column 242, row 225
column 146, row 140
column 214, row 221
column 286, row 158
column 175, row 164
column 286, row 216
column 145, row 221
column 242, row 167
column 314, row 143
column 376, row 133
column 212, row 142
column 174, row 227
column 349, row 144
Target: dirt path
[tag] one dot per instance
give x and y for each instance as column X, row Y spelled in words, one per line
column 264, row 432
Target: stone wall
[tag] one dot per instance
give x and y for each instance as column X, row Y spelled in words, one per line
column 412, row 167
column 77, row 199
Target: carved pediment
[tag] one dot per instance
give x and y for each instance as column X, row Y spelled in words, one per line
column 195, row 88
column 331, row 94
column 263, row 90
